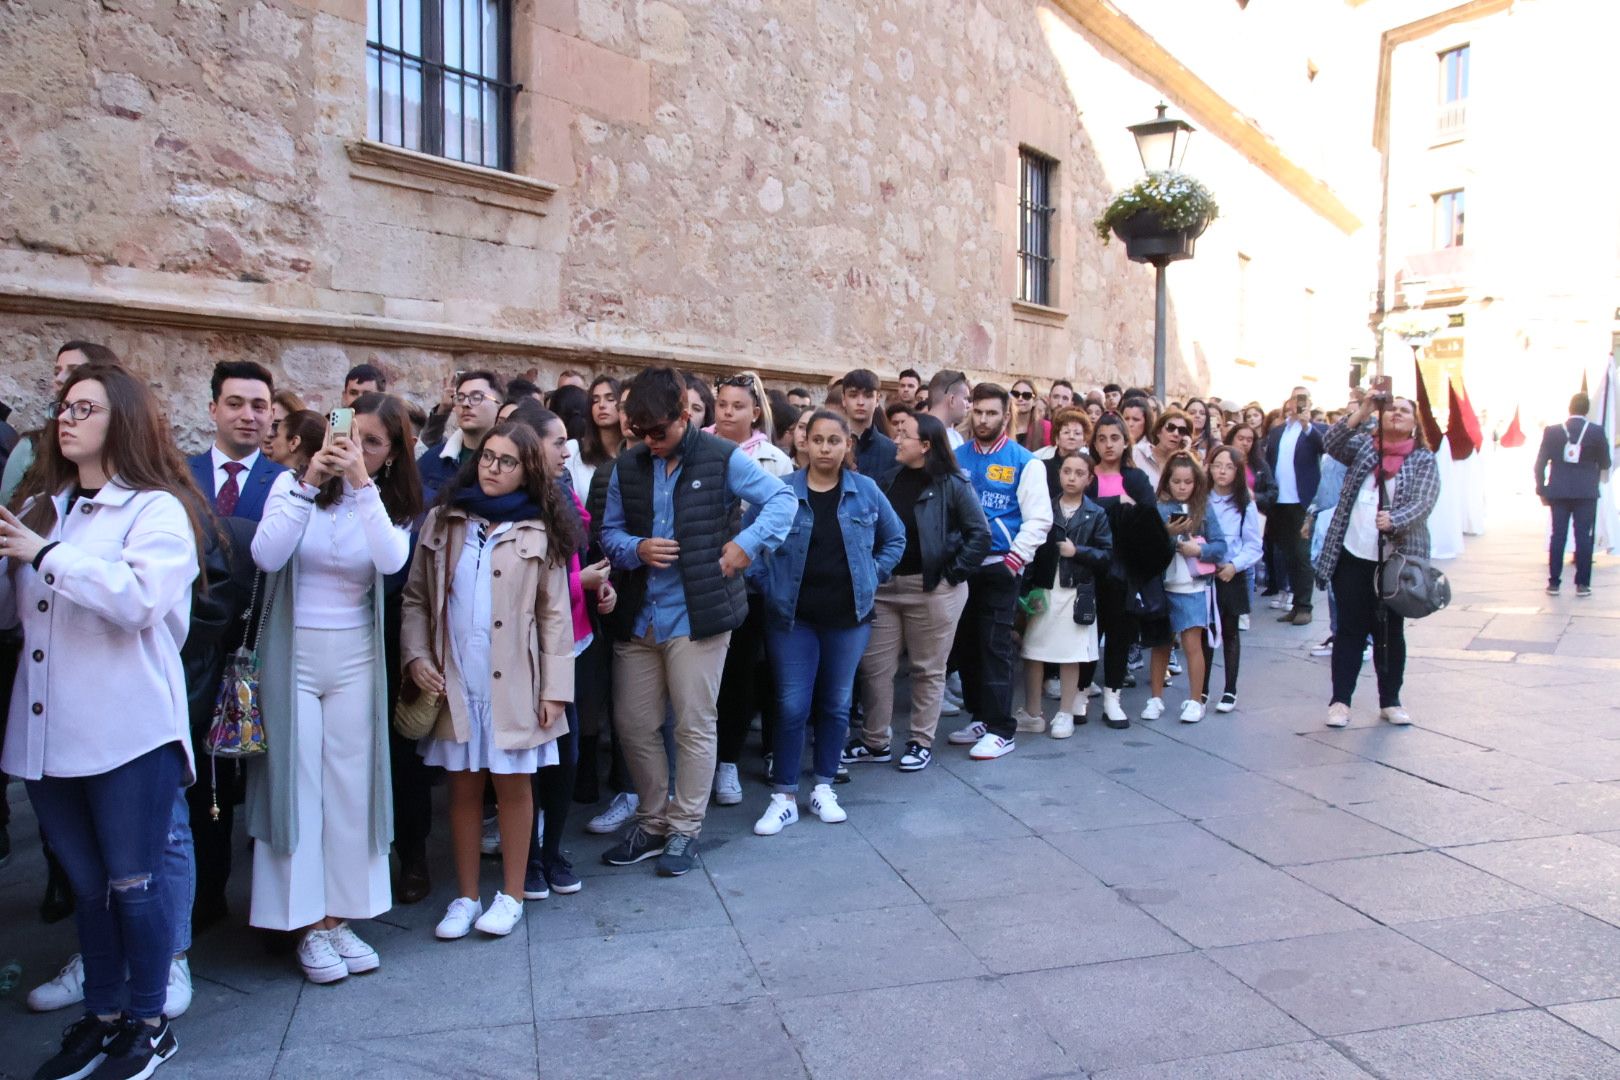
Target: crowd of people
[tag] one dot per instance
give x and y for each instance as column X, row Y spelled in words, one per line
column 593, row 594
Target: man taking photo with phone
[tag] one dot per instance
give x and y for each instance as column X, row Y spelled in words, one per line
column 1294, row 452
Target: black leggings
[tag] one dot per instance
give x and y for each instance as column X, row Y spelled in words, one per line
column 1118, row 629
column 1230, row 597
column 553, row 792
column 1360, row 614
column 746, row 687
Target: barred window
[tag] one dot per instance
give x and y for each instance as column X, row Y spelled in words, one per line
column 1035, row 212
column 439, row 78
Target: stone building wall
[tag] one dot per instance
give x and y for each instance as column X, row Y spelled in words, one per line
column 801, row 186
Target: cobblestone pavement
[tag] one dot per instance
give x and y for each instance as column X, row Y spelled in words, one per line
column 1253, row 896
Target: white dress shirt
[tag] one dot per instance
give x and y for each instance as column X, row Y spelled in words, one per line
column 220, row 460
column 1287, row 482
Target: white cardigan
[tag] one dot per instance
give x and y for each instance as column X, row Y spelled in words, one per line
column 100, row 682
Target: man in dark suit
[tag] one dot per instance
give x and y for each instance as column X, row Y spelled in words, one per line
column 234, row 474
column 1294, row 453
column 1569, row 467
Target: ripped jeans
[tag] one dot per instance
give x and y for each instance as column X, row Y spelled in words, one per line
column 110, row 831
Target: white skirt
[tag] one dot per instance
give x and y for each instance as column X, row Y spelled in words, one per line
column 1053, row 637
column 479, row 753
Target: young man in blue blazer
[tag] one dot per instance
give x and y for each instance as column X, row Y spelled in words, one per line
column 234, row 474
column 1294, row 452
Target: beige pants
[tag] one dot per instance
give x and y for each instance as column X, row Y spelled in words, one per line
column 647, row 676
column 924, row 624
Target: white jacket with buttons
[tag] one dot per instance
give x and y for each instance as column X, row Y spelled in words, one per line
column 99, row 682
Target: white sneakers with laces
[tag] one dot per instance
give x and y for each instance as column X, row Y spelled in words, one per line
column 319, row 959
column 1192, row 711
column 1338, row 715
column 458, row 918
column 1396, row 714
column 1153, row 709
column 727, row 785
column 357, row 956
column 67, row 988
column 178, row 997
column 1052, row 688
column 966, row 736
column 990, row 747
column 1027, row 723
column 1062, row 726
column 782, row 812
column 616, row 816
column 824, row 802
column 502, row 917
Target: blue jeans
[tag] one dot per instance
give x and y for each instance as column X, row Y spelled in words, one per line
column 815, row 678
column 110, row 832
column 180, row 872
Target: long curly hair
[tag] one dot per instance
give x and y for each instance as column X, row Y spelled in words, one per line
column 562, row 521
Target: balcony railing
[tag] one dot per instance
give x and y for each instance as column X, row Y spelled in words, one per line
column 1451, row 121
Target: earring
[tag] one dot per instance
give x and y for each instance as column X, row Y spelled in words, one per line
column 389, row 464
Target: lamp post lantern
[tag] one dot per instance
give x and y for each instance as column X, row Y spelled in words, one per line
column 1162, row 144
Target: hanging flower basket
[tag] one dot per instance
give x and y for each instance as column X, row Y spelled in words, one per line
column 1159, row 217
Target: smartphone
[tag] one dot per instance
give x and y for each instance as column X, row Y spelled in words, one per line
column 340, row 422
column 1382, row 384
column 1302, row 401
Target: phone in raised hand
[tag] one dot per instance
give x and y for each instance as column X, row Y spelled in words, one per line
column 340, row 422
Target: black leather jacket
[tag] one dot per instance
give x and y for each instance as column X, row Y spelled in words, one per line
column 1093, row 539
column 951, row 529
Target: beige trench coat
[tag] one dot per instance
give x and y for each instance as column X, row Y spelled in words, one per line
column 531, row 639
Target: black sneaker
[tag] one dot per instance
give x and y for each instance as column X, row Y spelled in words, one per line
column 535, row 885
column 137, row 1050
column 916, row 757
column 679, row 855
column 560, row 873
column 857, row 752
column 638, row 844
column 1583, row 591
column 84, row 1046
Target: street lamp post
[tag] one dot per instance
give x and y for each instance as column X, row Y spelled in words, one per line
column 1161, row 143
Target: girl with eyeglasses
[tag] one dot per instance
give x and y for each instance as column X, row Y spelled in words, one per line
column 319, row 803
column 488, row 625
column 97, row 565
column 742, row 413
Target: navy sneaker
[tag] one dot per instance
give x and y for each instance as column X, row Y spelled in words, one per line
column 137, row 1050
column 638, row 844
column 535, row 885
column 84, row 1046
column 560, row 874
column 679, row 855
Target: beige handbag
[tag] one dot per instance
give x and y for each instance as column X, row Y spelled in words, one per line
column 417, row 711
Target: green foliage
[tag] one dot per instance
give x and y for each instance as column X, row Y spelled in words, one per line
column 1180, row 202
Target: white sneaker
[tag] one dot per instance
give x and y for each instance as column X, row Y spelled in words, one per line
column 1192, row 711
column 1093, row 690
column 178, row 998
column 1366, row 654
column 824, row 803
column 1052, row 688
column 1153, row 709
column 1338, row 715
column 1396, row 714
column 1283, row 601
column 1324, row 649
column 357, row 956
column 1175, row 662
column 991, row 747
column 950, row 704
column 783, row 811
column 966, row 736
column 1062, row 726
column 1243, row 622
column 1112, row 710
column 64, row 990
column 458, row 918
column 1227, row 703
column 1026, row 722
column 616, row 816
column 727, row 785
column 490, row 842
column 319, row 959
column 502, row 917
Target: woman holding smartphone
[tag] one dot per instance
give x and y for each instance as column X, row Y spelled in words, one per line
column 487, row 624
column 98, row 566
column 320, row 805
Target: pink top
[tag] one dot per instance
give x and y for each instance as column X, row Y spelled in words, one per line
column 576, row 594
column 1110, row 485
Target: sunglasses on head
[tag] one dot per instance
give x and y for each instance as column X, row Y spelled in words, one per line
column 743, row 381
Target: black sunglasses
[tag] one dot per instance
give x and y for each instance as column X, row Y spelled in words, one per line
column 1178, row 429
column 656, row 434
column 1023, row 395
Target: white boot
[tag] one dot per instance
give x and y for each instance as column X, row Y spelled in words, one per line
column 1113, row 715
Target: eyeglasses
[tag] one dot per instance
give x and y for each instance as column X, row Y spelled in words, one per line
column 475, row 399
column 656, row 434
column 78, row 410
column 498, row 462
column 1024, row 395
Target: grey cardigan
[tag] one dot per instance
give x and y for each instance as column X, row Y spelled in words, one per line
column 1415, row 496
column 272, row 808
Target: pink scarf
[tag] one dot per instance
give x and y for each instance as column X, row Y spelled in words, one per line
column 1395, row 456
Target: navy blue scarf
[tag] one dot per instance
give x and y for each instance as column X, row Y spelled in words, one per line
column 513, row 506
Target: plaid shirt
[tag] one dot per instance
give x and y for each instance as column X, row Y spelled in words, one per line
column 1416, row 492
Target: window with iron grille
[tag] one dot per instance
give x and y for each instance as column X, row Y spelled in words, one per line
column 1035, row 210
column 439, row 78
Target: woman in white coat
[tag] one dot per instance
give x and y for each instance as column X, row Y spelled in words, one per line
column 321, row 805
column 98, row 568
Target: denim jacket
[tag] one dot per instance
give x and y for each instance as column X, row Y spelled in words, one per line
column 874, row 540
column 1213, row 547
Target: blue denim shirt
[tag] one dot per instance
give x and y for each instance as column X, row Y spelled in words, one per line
column 874, row 540
column 665, row 607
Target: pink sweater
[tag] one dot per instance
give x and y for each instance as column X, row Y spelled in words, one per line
column 576, row 594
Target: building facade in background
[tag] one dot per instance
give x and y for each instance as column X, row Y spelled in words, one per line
column 800, row 186
column 1500, row 230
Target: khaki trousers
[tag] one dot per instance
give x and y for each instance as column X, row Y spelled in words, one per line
column 647, row 676
column 924, row 624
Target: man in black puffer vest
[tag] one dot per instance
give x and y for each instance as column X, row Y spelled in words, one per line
column 670, row 529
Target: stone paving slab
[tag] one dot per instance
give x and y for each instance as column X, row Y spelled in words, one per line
column 1253, row 896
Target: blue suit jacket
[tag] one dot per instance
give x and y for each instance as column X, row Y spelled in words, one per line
column 255, row 483
column 1307, row 459
column 1557, row 478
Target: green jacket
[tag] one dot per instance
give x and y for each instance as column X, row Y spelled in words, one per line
column 272, row 809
